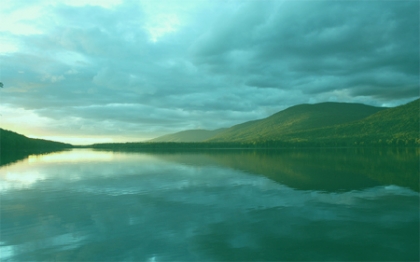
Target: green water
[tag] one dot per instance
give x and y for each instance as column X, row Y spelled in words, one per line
column 324, row 204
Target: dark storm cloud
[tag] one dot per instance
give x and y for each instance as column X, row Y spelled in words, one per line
column 292, row 45
column 208, row 64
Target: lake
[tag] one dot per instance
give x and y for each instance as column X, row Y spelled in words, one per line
column 218, row 205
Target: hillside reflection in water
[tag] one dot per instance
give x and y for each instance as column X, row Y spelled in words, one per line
column 320, row 204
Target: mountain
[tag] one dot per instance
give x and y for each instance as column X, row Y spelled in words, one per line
column 393, row 126
column 296, row 119
column 197, row 135
column 324, row 124
column 11, row 141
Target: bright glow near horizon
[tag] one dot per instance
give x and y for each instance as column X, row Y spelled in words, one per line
column 72, row 156
column 91, row 71
column 76, row 140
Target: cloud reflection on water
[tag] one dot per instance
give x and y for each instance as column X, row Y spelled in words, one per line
column 80, row 155
column 140, row 207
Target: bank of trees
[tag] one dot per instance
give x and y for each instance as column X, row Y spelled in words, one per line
column 350, row 142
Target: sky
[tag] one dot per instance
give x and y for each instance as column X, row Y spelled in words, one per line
column 83, row 72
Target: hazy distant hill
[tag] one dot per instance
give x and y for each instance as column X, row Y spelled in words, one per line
column 325, row 124
column 197, row 135
column 398, row 125
column 295, row 119
column 12, row 141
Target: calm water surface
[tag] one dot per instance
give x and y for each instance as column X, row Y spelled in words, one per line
column 85, row 205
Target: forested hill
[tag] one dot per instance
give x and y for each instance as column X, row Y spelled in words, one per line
column 324, row 124
column 197, row 135
column 11, row 141
column 295, row 119
column 394, row 126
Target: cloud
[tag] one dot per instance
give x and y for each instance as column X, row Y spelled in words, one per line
column 205, row 202
column 317, row 46
column 233, row 61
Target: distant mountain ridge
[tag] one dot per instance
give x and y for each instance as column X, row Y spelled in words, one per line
column 326, row 123
column 195, row 135
column 396, row 125
column 294, row 119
